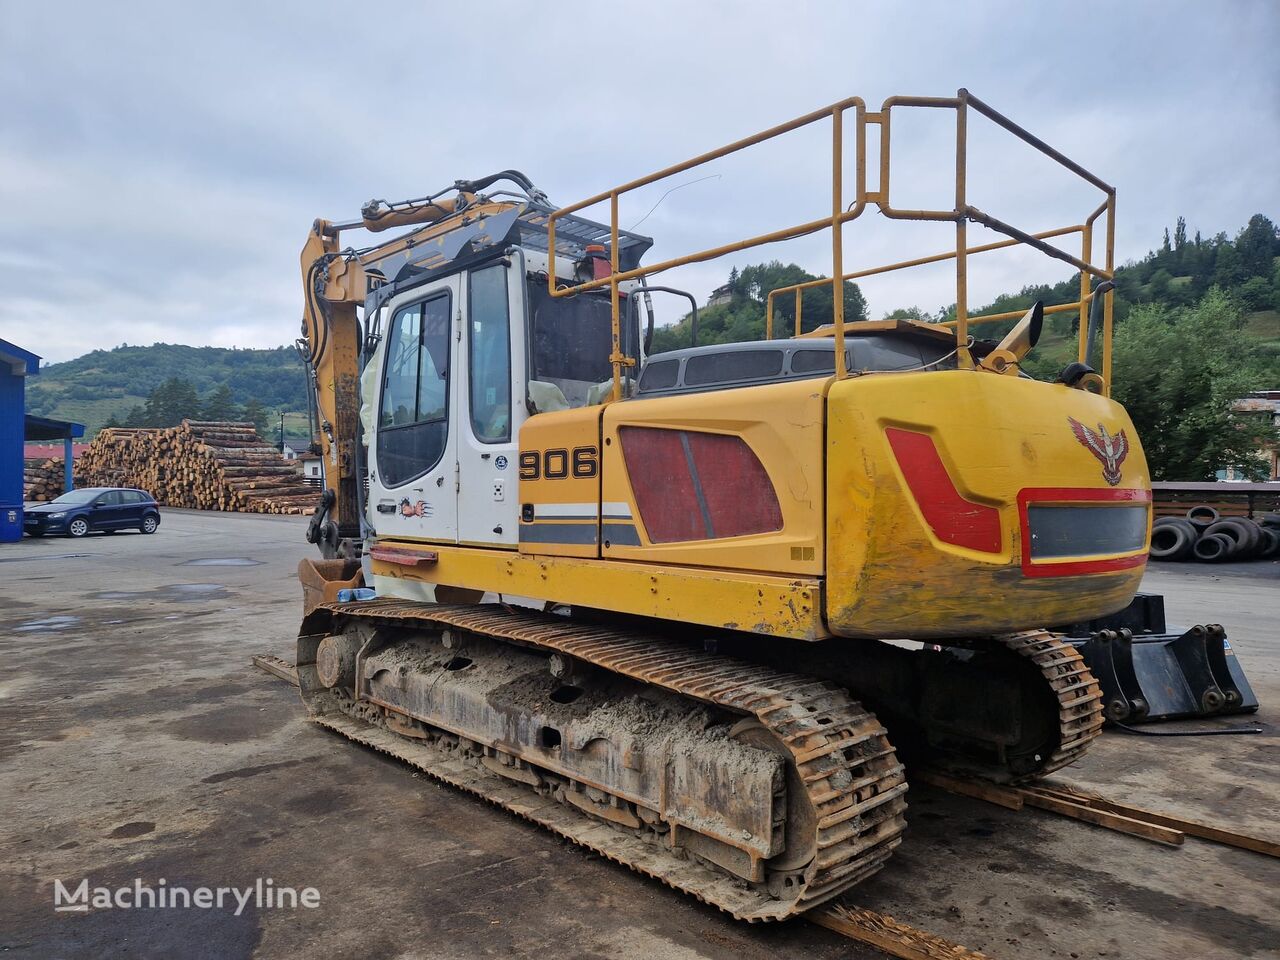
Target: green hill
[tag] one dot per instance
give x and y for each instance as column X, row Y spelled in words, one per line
column 109, row 383
column 1177, row 274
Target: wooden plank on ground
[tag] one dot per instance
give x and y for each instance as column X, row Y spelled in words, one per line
column 276, row 667
column 1190, row 827
column 992, row 793
column 1103, row 818
column 885, row 933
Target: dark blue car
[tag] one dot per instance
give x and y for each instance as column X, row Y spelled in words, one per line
column 109, row 509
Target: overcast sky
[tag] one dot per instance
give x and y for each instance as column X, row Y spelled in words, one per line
column 160, row 164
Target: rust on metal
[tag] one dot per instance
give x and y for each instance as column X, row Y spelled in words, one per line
column 1078, row 693
column 405, row 558
column 842, row 769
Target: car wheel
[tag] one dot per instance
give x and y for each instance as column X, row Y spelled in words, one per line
column 78, row 527
column 150, row 524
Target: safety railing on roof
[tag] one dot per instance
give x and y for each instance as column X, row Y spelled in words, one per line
column 845, row 209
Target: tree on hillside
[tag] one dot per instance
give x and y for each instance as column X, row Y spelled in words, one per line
column 220, row 405
column 256, row 414
column 1177, row 372
column 743, row 317
column 172, row 402
column 1257, row 246
column 910, row 313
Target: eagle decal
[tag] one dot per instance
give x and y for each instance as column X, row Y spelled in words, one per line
column 1110, row 450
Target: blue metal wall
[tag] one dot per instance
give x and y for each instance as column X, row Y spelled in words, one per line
column 14, row 362
column 11, row 408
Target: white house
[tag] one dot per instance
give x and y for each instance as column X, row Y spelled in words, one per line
column 310, row 465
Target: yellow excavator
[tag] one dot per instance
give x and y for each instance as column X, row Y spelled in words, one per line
column 668, row 605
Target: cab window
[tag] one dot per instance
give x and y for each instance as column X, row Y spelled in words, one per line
column 570, row 342
column 413, row 413
column 489, row 348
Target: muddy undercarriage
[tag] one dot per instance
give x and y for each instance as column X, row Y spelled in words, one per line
column 764, row 791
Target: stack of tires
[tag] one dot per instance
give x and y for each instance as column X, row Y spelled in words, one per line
column 1202, row 535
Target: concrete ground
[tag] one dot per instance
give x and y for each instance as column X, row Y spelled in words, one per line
column 137, row 742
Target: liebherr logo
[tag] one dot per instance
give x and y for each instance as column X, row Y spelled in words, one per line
column 263, row 895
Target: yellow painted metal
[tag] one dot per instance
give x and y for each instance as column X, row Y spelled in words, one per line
column 760, row 603
column 412, row 214
column 782, row 424
column 547, row 479
column 798, row 289
column 851, row 527
column 888, row 574
column 964, row 359
column 1012, row 314
column 878, row 569
column 331, row 332
column 919, row 261
column 837, row 238
column 1086, row 242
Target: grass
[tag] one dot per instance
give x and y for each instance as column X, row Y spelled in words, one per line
column 1265, row 324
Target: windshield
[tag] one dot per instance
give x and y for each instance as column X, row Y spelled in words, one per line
column 571, row 342
column 77, row 497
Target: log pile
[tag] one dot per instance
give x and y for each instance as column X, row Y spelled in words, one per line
column 202, row 465
column 41, row 479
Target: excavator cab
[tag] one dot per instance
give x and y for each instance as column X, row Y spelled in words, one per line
column 455, row 365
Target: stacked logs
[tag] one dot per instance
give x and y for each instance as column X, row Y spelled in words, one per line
column 202, row 465
column 41, row 479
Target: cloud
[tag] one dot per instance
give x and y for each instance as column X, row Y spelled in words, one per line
column 159, row 168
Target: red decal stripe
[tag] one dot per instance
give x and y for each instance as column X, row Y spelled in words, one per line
column 951, row 517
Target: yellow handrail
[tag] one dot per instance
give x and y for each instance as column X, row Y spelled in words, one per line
column 801, row 287
column 961, row 214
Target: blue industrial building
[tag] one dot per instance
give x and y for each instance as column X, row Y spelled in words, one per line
column 16, row 427
column 16, row 365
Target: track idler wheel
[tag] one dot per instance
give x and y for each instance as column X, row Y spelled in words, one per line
column 336, row 660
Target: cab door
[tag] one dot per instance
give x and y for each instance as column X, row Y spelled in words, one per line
column 490, row 378
column 412, row 455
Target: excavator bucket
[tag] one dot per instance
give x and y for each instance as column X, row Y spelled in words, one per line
column 322, row 579
column 1150, row 673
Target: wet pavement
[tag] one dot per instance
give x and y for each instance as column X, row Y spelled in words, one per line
column 137, row 743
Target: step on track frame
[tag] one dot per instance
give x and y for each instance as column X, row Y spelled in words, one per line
column 843, row 759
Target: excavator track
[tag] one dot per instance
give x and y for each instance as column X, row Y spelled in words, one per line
column 1060, row 700
column 1077, row 690
column 837, row 754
